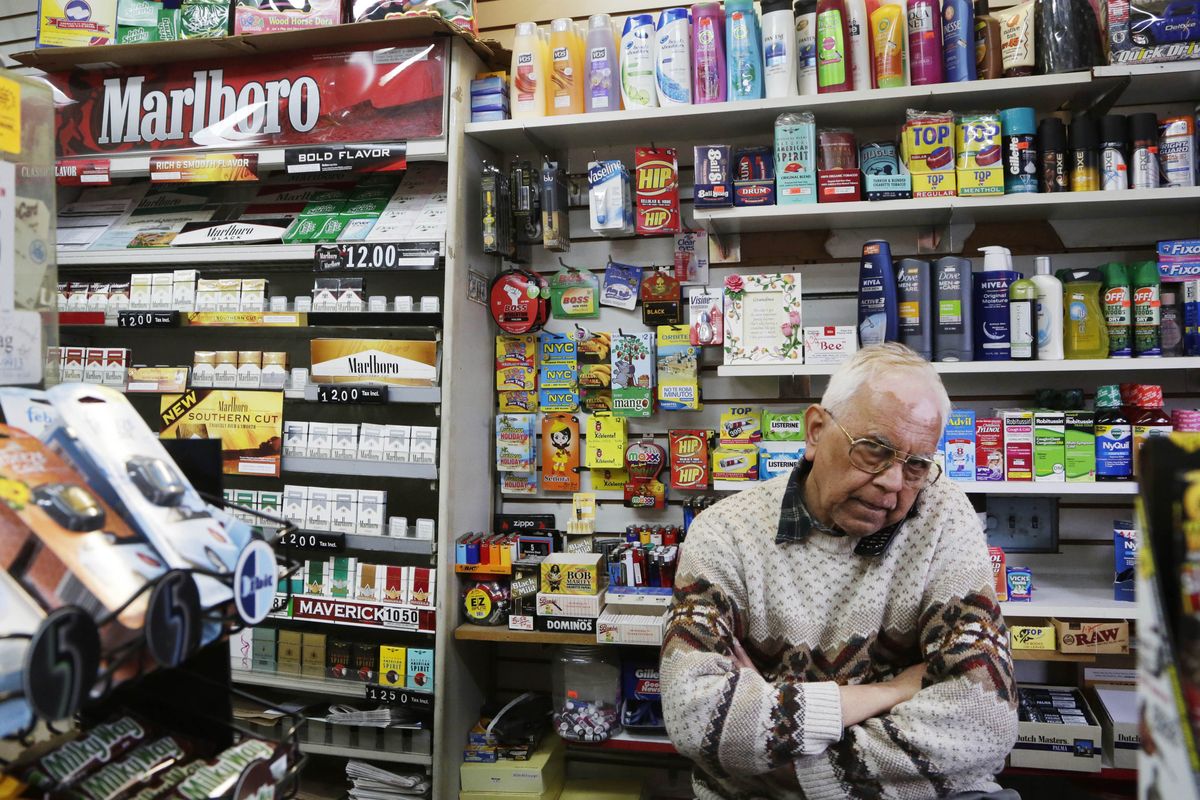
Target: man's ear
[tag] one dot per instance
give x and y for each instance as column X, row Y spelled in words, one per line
column 814, row 428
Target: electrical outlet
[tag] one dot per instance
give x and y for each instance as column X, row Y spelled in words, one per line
column 1023, row 524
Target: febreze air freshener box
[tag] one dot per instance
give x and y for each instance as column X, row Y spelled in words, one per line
column 394, row 362
column 76, row 23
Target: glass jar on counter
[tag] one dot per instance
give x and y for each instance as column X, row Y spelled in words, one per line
column 587, row 693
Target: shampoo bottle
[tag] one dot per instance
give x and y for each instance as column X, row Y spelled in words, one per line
column 1118, row 310
column 527, row 92
column 1049, row 312
column 858, row 25
column 743, row 42
column 835, row 73
column 708, row 46
column 779, row 48
column 806, row 46
column 601, row 92
column 887, row 44
column 992, row 341
column 878, row 320
column 953, row 329
column 915, row 306
column 1084, row 332
column 637, row 62
column 1022, row 319
column 924, row 42
column 958, row 40
column 566, row 55
column 673, row 58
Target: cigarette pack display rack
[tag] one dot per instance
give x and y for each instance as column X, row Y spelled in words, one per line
column 317, row 275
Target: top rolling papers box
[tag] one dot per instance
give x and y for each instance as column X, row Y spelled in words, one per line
column 394, row 362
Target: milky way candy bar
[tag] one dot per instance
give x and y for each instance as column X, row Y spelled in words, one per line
column 103, row 744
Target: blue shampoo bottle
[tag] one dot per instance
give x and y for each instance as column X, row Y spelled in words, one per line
column 992, row 332
column 878, row 317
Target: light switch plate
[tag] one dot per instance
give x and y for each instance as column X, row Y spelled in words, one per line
column 1023, row 524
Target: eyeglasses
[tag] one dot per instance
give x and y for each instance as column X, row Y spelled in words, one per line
column 875, row 457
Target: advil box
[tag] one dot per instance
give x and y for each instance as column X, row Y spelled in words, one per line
column 76, row 23
column 657, row 190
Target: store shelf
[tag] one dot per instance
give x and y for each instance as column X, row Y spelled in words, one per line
column 366, row 469
column 220, row 256
column 345, row 751
column 1128, row 205
column 389, row 544
column 1117, row 365
column 726, row 121
column 430, row 395
column 375, row 319
column 627, row 742
column 217, row 51
column 1069, row 596
column 391, row 617
column 1153, row 84
column 298, row 683
column 1020, row 488
column 479, row 633
column 1052, row 655
column 1106, row 773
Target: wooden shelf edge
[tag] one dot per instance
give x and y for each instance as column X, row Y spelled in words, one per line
column 479, row 633
column 1052, row 655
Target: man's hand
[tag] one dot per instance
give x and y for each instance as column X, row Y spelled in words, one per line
column 860, row 703
column 741, row 659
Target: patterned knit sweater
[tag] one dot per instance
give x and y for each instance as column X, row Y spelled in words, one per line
column 812, row 615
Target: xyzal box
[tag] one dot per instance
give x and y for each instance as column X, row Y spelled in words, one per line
column 1125, row 545
column 1049, row 447
column 959, row 446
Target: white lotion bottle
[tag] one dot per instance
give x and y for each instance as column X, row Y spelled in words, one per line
column 1049, row 312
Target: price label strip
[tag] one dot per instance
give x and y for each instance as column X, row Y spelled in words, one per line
column 376, row 256
column 346, row 158
column 336, row 394
column 313, row 541
column 147, row 319
column 392, row 696
column 83, row 172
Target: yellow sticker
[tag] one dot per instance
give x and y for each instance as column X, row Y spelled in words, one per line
column 10, row 115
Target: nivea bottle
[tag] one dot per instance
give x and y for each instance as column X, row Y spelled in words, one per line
column 878, row 317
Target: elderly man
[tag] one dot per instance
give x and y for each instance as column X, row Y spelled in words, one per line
column 835, row 633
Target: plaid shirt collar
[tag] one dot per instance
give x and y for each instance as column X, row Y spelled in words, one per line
column 796, row 522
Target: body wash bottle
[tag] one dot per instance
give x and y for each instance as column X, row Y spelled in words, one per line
column 743, row 42
column 835, row 73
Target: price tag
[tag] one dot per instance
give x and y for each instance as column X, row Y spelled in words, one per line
column 346, row 395
column 392, row 696
column 321, row 541
column 346, row 158
column 83, row 172
column 147, row 319
column 375, row 255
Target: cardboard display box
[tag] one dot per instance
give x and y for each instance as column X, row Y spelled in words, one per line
column 1110, row 637
column 1033, row 634
column 1071, row 742
column 541, row 774
column 1117, row 711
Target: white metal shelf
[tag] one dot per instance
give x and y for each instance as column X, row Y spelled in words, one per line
column 389, row 544
column 1020, row 488
column 214, row 254
column 396, row 394
column 1126, row 205
column 1152, row 84
column 1119, row 365
column 298, row 683
column 375, row 469
column 1070, row 597
column 346, row 751
column 715, row 121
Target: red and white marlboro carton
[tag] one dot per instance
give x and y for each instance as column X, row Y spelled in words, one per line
column 999, row 574
column 656, row 190
column 393, row 585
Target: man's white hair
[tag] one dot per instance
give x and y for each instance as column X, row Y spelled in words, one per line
column 872, row 366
